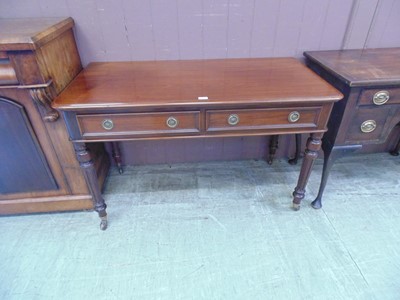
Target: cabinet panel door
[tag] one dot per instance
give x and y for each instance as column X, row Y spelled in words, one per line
column 23, row 167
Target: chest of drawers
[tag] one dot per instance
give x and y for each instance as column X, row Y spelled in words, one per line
column 370, row 82
column 189, row 99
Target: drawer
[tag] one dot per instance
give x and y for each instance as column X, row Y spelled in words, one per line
column 262, row 119
column 379, row 97
column 138, row 124
column 368, row 124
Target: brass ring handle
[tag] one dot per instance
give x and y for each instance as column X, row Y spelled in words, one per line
column 107, row 124
column 233, row 119
column 381, row 97
column 368, row 126
column 294, row 116
column 172, row 122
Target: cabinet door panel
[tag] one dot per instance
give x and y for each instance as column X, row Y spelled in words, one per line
column 23, row 164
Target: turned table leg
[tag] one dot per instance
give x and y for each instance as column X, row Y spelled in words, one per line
column 310, row 154
column 116, row 154
column 87, row 165
column 293, row 161
column 273, row 145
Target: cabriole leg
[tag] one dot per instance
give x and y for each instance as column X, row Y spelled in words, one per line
column 331, row 154
column 87, row 165
column 396, row 150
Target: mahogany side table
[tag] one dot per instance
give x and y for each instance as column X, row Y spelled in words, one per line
column 202, row 98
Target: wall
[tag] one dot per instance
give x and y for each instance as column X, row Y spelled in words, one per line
column 112, row 30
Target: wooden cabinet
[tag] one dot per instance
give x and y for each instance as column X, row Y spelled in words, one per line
column 39, row 172
column 370, row 82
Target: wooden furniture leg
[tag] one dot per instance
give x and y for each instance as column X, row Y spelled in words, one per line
column 310, row 154
column 87, row 165
column 273, row 145
column 331, row 154
column 294, row 160
column 116, row 154
column 396, row 150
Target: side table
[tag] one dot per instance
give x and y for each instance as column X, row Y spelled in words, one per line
column 370, row 82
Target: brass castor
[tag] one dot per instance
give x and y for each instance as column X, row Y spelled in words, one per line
column 296, row 206
column 103, row 223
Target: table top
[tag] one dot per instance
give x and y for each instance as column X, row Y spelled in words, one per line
column 194, row 82
column 361, row 67
column 30, row 33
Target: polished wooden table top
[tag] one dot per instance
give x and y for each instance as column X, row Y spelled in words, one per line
column 361, row 67
column 196, row 82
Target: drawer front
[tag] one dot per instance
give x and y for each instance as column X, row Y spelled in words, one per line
column 138, row 124
column 379, row 97
column 368, row 124
column 262, row 119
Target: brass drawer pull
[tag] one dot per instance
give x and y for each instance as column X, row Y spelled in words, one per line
column 172, row 122
column 107, row 124
column 368, row 126
column 381, row 97
column 233, row 119
column 294, row 116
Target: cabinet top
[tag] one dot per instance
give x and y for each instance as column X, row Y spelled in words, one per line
column 360, row 67
column 195, row 82
column 30, row 33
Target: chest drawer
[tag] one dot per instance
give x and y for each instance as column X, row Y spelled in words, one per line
column 368, row 124
column 379, row 97
column 262, row 119
column 138, row 124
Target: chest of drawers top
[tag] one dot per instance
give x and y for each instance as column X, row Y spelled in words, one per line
column 197, row 83
column 360, row 67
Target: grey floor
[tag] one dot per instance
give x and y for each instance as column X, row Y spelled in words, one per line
column 220, row 230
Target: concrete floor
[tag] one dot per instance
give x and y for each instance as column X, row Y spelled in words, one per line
column 220, row 230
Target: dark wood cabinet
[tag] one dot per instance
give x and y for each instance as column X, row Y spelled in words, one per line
column 370, row 82
column 39, row 172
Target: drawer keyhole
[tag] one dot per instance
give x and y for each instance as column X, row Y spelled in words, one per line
column 233, row 119
column 172, row 122
column 107, row 124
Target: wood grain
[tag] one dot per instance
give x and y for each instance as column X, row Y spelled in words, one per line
column 177, row 83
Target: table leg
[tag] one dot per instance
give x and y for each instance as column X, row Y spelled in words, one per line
column 396, row 150
column 331, row 154
column 310, row 154
column 294, row 160
column 87, row 165
column 273, row 145
column 116, row 154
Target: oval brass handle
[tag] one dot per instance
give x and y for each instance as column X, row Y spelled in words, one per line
column 107, row 124
column 381, row 97
column 368, row 126
column 294, row 116
column 233, row 119
column 172, row 122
